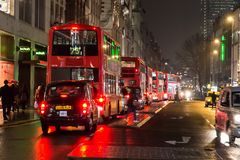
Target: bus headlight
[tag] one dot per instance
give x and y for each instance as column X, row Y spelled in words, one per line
column 236, row 118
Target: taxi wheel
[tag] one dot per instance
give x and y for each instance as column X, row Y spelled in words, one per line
column 45, row 128
column 58, row 128
column 89, row 126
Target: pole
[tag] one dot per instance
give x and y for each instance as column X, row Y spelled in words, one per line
column 232, row 57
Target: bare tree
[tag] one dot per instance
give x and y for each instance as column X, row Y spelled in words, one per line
column 193, row 56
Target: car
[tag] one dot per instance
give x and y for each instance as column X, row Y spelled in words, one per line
column 69, row 103
column 208, row 98
column 227, row 116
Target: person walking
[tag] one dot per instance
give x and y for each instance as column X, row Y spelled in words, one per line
column 39, row 94
column 23, row 97
column 214, row 97
column 5, row 93
column 132, row 105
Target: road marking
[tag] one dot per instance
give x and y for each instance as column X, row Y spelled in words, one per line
column 181, row 117
column 209, row 123
column 184, row 141
column 148, row 118
column 162, row 107
column 143, row 122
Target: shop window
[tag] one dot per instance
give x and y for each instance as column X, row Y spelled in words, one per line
column 7, row 47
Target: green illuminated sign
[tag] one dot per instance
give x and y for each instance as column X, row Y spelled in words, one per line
column 40, row 53
column 223, row 48
column 24, row 49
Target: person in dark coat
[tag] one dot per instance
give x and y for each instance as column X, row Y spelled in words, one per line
column 214, row 97
column 23, row 97
column 5, row 93
column 39, row 94
column 130, row 103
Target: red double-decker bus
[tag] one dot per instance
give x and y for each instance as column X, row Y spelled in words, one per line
column 148, row 91
column 83, row 52
column 159, row 86
column 172, row 84
column 133, row 74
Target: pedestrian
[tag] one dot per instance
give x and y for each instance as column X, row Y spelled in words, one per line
column 14, row 95
column 214, row 97
column 132, row 104
column 39, row 95
column 176, row 97
column 5, row 93
column 23, row 97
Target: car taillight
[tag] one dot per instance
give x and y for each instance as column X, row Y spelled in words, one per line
column 84, row 106
column 127, row 96
column 43, row 107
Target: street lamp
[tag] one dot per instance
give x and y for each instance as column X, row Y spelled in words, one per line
column 216, row 41
column 215, row 52
column 230, row 19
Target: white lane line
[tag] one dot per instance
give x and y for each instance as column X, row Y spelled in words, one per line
column 211, row 125
column 143, row 122
column 162, row 107
column 219, row 155
column 148, row 118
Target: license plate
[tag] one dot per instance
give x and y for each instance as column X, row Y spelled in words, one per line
column 63, row 113
column 67, row 107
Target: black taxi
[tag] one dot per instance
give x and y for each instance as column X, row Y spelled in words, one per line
column 69, row 103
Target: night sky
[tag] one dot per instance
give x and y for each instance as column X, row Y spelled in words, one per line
column 172, row 22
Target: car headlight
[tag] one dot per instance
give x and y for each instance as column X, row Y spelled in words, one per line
column 188, row 94
column 236, row 118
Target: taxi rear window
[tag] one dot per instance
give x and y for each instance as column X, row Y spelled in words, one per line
column 65, row 89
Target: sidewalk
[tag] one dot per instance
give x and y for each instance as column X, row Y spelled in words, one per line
column 29, row 115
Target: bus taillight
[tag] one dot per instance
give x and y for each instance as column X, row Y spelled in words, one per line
column 101, row 100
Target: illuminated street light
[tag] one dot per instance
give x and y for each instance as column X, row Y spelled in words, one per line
column 230, row 19
column 216, row 41
column 215, row 52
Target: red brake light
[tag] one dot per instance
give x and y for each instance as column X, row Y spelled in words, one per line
column 136, row 70
column 74, row 28
column 63, row 95
column 127, row 96
column 101, row 100
column 84, row 106
column 43, row 106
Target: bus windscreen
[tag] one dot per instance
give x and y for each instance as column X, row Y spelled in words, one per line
column 75, row 43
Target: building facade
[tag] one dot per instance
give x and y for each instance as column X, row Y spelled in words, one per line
column 210, row 10
column 24, row 38
column 83, row 11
